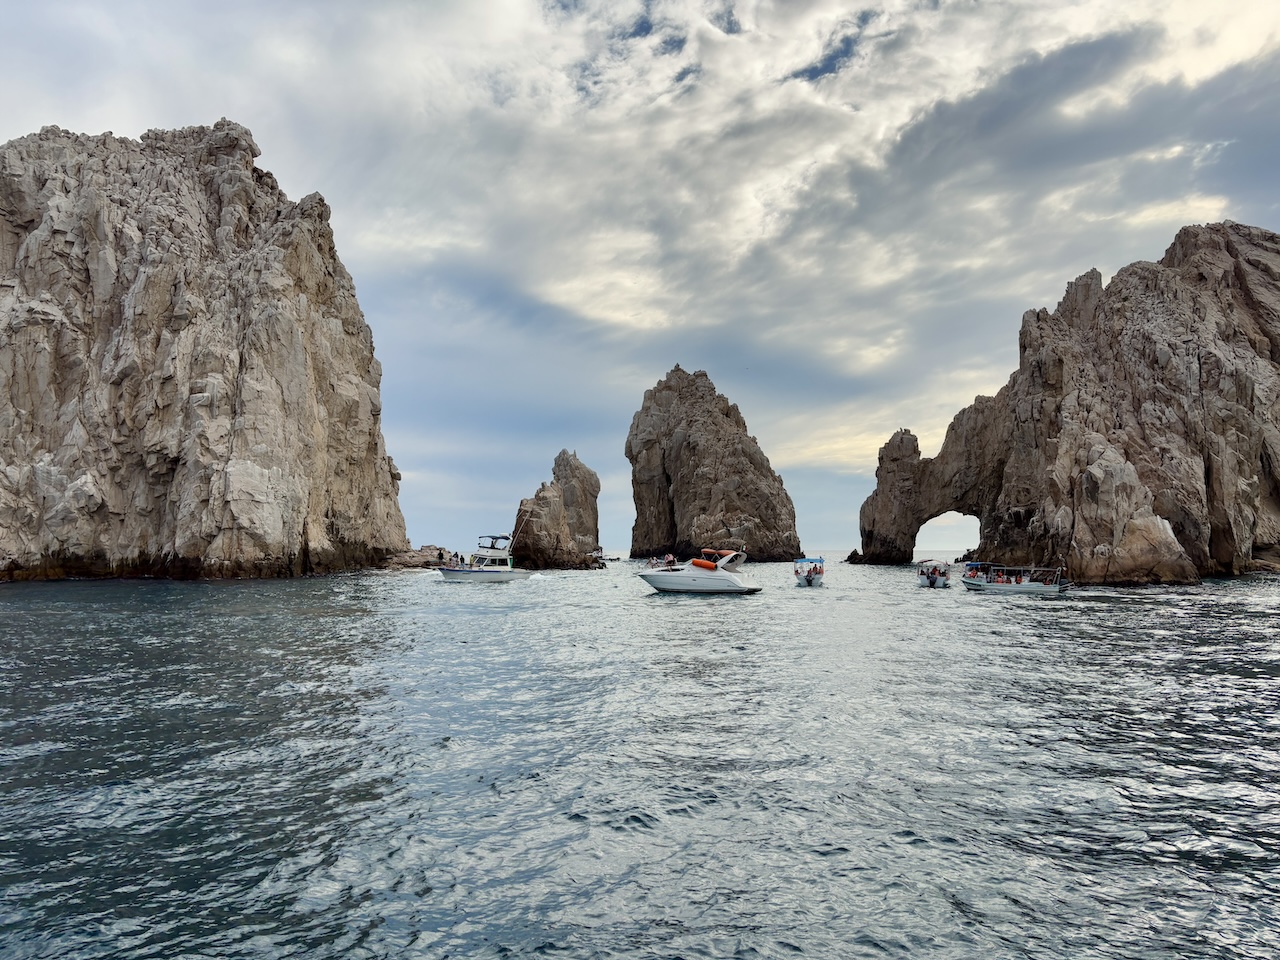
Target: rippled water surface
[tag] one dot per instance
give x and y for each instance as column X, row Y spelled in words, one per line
column 388, row 765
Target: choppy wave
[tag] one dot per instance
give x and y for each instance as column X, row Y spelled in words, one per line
column 388, row 765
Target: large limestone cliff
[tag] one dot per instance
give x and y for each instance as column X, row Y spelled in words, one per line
column 558, row 528
column 700, row 480
column 187, row 384
column 1139, row 439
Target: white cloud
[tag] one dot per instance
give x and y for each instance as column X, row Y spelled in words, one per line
column 791, row 195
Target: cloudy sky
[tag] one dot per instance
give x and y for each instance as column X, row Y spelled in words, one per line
column 839, row 211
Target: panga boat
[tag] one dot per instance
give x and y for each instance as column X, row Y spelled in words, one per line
column 808, row 571
column 716, row 571
column 491, row 563
column 933, row 573
column 994, row 578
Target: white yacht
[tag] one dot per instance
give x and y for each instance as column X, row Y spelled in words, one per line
column 716, row 571
column 491, row 563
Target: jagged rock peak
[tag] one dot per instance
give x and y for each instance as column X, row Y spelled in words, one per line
column 558, row 528
column 1139, row 439
column 187, row 383
column 700, row 480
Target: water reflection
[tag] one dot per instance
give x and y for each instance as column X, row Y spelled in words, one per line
column 182, row 749
column 382, row 766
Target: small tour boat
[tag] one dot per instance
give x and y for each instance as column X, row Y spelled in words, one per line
column 808, row 571
column 995, row 578
column 716, row 571
column 933, row 573
column 491, row 563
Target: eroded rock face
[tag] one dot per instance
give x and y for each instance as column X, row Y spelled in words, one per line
column 1138, row 440
column 187, row 383
column 700, row 480
column 558, row 528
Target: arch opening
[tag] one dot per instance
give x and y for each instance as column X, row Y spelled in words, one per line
column 947, row 536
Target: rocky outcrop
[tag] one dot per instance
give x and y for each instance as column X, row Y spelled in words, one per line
column 558, row 528
column 187, row 383
column 426, row 556
column 1139, row 439
column 700, row 480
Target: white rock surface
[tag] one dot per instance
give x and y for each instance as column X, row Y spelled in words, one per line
column 187, row 383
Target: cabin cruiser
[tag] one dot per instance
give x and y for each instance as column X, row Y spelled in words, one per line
column 715, row 571
column 933, row 573
column 808, row 571
column 491, row 563
column 996, row 578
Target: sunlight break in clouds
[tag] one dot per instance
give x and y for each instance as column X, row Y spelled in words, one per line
column 702, row 146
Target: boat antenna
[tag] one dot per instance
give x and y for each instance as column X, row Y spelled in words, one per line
column 523, row 521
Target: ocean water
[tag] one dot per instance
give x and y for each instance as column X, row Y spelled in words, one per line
column 387, row 765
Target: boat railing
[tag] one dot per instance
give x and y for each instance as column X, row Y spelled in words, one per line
column 999, row 573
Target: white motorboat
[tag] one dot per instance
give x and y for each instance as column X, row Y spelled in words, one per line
column 716, row 571
column 996, row 578
column 808, row 571
column 491, row 563
column 933, row 573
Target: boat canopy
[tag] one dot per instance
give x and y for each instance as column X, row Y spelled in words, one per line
column 1024, row 568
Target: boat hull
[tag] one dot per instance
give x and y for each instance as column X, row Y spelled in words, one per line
column 480, row 575
column 982, row 586
column 684, row 582
column 811, row 581
column 939, row 582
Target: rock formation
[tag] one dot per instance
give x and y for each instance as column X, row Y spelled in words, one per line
column 187, row 384
column 558, row 528
column 1137, row 442
column 428, row 555
column 700, row 480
